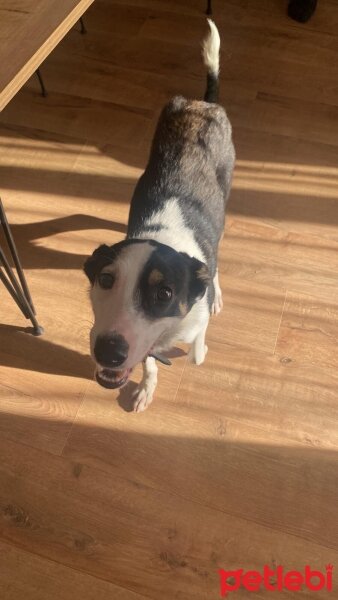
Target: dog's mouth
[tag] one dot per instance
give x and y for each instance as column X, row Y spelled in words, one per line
column 112, row 379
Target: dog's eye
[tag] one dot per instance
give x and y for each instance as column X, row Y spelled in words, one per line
column 106, row 280
column 164, row 294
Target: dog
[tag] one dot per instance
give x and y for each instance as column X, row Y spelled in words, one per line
column 160, row 285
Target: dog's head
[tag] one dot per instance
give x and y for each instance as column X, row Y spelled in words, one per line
column 140, row 289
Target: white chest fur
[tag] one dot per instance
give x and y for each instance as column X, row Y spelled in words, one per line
column 175, row 233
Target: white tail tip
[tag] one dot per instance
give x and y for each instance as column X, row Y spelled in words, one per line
column 211, row 46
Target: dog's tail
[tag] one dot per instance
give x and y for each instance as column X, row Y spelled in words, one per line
column 211, row 46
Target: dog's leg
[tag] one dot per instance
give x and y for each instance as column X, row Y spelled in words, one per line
column 143, row 396
column 198, row 350
column 218, row 302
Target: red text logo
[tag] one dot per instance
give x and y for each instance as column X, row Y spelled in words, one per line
column 275, row 580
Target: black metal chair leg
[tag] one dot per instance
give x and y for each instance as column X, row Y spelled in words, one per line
column 209, row 8
column 83, row 29
column 20, row 294
column 10, row 289
column 22, row 303
column 15, row 256
column 42, row 85
column 11, row 280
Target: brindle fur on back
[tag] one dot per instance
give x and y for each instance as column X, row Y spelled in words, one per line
column 191, row 159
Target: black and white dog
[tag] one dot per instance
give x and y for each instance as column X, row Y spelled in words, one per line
column 160, row 285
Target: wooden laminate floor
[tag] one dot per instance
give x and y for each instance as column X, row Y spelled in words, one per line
column 235, row 463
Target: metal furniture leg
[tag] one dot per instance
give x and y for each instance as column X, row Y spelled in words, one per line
column 83, row 29
column 16, row 286
column 42, row 85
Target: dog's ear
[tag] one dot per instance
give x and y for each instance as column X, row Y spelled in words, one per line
column 101, row 257
column 199, row 278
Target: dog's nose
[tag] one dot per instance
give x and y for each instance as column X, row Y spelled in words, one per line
column 111, row 350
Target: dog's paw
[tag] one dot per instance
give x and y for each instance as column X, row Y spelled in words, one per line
column 197, row 355
column 141, row 399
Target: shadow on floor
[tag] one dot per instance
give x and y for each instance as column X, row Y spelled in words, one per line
column 22, row 350
column 39, row 257
column 176, row 506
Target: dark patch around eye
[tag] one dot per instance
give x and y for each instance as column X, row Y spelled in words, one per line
column 163, row 285
column 159, row 301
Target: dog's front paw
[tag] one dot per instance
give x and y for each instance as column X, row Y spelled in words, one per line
column 141, row 399
column 196, row 355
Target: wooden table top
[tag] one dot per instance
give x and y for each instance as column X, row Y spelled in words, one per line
column 29, row 31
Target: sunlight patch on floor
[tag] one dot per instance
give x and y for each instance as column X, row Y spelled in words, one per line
column 286, row 178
